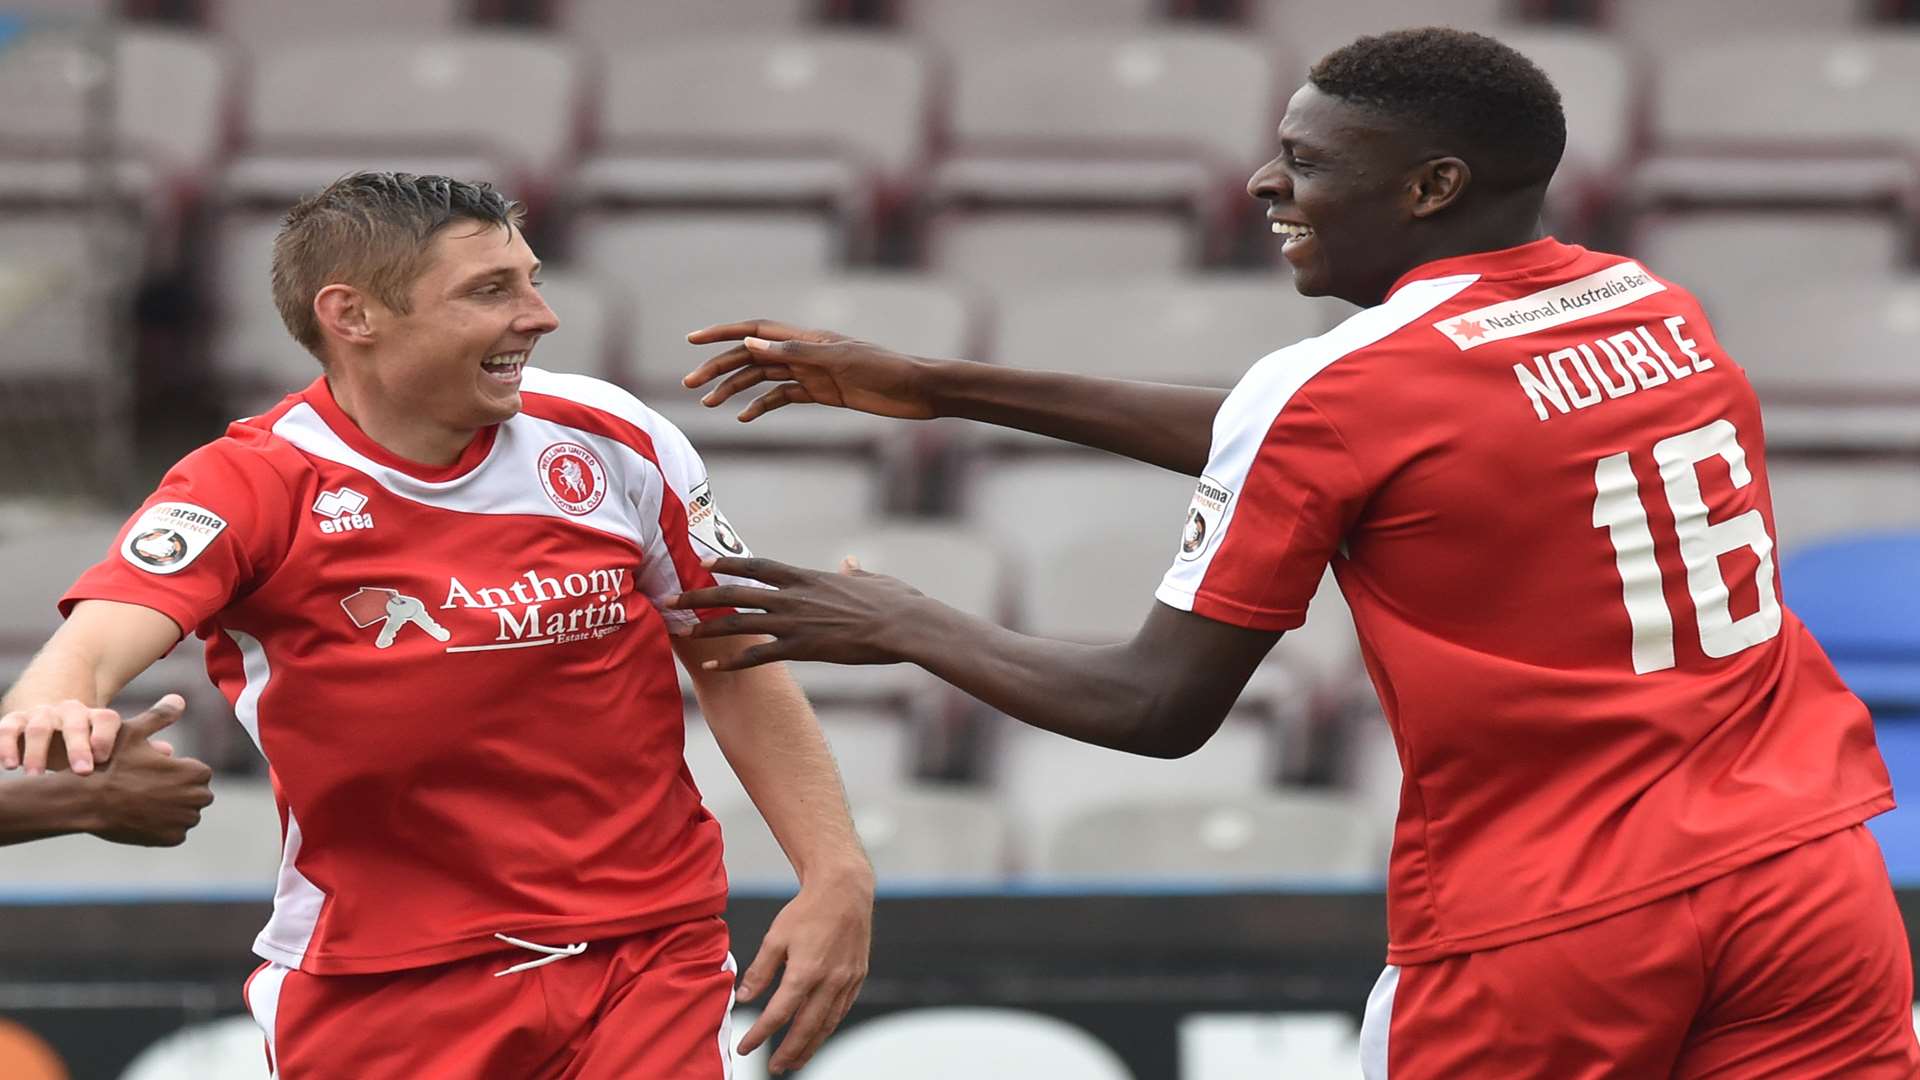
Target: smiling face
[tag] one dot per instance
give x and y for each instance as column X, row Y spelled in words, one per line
column 452, row 361
column 1344, row 192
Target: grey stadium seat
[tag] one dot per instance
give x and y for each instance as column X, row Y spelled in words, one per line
column 1198, row 330
column 640, row 251
column 830, row 115
column 584, row 341
column 614, row 22
column 1717, row 254
column 265, row 23
column 1034, row 508
column 1044, row 781
column 965, row 1044
column 1005, row 252
column 413, row 101
column 1819, row 498
column 1673, row 29
column 968, row 22
column 1824, row 339
column 1599, row 93
column 1264, row 838
column 1832, row 121
column 791, row 507
column 1312, row 29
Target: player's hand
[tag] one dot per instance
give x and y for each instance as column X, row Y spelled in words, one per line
column 822, row 938
column 85, row 736
column 849, row 617
column 816, row 367
column 145, row 795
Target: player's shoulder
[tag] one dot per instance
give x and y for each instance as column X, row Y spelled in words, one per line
column 596, row 406
column 249, row 449
column 1369, row 335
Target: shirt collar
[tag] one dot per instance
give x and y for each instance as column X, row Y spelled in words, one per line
column 1532, row 257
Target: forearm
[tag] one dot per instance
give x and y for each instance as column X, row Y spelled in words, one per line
column 1164, row 425
column 57, row 673
column 770, row 737
column 1107, row 695
column 35, row 807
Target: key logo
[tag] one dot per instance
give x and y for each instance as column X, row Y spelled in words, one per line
column 342, row 510
column 573, row 477
column 392, row 612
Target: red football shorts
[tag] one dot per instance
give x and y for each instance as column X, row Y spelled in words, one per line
column 653, row 1005
column 1795, row 967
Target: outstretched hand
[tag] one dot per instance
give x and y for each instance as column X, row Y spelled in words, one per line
column 68, row 735
column 849, row 617
column 817, row 367
column 145, row 795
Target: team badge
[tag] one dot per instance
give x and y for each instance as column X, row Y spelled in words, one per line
column 573, row 477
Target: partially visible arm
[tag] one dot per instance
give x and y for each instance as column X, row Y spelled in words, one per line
column 823, row 937
column 95, row 653
column 33, row 807
column 1164, row 425
column 1163, row 693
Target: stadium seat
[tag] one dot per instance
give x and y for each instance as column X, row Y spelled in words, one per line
column 1044, row 781
column 921, row 316
column 1826, row 340
column 266, row 23
column 1718, row 254
column 1831, row 122
column 916, row 836
column 643, row 250
column 1670, row 31
column 255, row 358
column 584, row 343
column 1599, row 92
column 1166, row 124
column 57, row 298
column 1267, row 838
column 1035, row 506
column 168, row 108
column 235, row 849
column 1006, row 252
column 965, row 1044
column 823, row 120
column 1899, row 830
column 612, row 23
column 974, row 22
column 1820, row 499
column 1199, row 330
column 791, row 507
column 1312, row 29
column 417, row 103
column 1858, row 595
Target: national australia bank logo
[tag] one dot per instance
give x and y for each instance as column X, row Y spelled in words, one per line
column 392, row 612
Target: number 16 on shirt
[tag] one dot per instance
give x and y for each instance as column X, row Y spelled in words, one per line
column 1618, row 508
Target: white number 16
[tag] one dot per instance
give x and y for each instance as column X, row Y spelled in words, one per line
column 1617, row 508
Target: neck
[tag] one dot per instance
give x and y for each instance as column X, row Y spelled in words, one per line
column 397, row 430
column 1495, row 230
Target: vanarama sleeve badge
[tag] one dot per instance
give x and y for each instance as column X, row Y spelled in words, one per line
column 708, row 525
column 1204, row 515
column 170, row 535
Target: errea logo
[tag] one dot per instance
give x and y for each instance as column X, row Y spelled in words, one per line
column 340, row 511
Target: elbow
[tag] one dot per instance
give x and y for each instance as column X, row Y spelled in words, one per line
column 1172, row 729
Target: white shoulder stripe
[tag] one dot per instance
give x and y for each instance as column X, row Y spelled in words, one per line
column 1241, row 426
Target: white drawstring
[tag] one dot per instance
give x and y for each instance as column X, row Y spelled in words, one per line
column 550, row 953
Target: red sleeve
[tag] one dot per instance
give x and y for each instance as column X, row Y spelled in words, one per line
column 1268, row 516
column 219, row 523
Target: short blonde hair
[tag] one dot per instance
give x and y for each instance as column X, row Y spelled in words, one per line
column 372, row 230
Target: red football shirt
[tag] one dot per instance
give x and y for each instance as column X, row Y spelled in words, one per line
column 1542, row 487
column 459, row 677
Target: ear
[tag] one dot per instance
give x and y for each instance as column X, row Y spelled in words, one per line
column 343, row 313
column 1438, row 184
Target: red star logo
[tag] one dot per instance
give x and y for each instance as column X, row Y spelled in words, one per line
column 1468, row 329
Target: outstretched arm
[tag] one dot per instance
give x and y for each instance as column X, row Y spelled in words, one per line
column 819, row 943
column 1163, row 693
column 1164, row 425
column 142, row 795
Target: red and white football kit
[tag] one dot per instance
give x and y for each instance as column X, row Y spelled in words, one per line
column 466, row 697
column 1542, row 488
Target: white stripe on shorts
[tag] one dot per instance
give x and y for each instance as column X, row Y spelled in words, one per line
column 726, row 1023
column 263, row 1000
column 1375, row 1025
